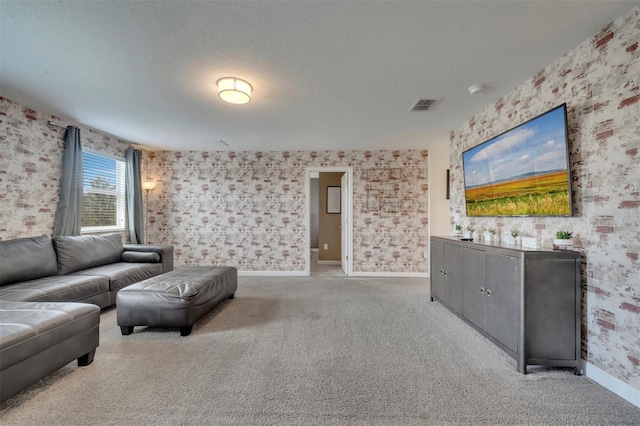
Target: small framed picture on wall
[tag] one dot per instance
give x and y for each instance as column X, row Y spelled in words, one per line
column 373, row 200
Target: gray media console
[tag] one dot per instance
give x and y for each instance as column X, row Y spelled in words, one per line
column 526, row 301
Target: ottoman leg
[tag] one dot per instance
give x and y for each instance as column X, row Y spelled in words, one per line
column 126, row 330
column 185, row 331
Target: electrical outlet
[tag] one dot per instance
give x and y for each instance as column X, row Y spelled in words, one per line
column 326, row 246
column 240, row 253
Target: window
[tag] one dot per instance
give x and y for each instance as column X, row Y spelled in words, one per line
column 103, row 195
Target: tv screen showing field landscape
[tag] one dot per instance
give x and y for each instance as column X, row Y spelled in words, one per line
column 522, row 172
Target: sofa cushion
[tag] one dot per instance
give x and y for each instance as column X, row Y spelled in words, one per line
column 26, row 259
column 59, row 288
column 87, row 251
column 29, row 328
column 122, row 274
column 164, row 250
column 140, row 257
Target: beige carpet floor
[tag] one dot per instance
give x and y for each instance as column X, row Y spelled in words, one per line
column 317, row 351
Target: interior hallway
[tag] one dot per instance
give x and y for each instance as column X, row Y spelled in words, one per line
column 323, row 269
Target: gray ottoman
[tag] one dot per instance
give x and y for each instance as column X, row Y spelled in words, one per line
column 176, row 299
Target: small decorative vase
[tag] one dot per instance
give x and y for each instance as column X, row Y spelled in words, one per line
column 530, row 242
column 563, row 244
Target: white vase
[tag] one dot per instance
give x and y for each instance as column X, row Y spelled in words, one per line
column 510, row 240
column 530, row 242
column 563, row 243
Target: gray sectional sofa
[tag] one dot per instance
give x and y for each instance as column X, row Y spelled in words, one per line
column 87, row 268
column 40, row 331
column 37, row 338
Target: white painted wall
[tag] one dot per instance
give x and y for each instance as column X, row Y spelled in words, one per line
column 439, row 211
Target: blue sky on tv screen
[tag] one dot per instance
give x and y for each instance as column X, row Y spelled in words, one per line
column 535, row 147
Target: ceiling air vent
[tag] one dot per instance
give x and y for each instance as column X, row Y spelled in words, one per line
column 425, row 104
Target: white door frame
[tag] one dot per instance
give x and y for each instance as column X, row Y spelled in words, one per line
column 344, row 224
column 349, row 213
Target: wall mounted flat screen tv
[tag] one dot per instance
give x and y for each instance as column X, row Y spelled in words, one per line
column 522, row 172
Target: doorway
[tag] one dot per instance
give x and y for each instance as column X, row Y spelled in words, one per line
column 333, row 255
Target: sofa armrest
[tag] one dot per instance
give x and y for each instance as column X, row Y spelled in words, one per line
column 164, row 250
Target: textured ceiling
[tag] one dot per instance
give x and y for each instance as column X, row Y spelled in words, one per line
column 326, row 75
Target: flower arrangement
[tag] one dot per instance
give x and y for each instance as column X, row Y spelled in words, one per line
column 563, row 239
column 490, row 235
column 512, row 239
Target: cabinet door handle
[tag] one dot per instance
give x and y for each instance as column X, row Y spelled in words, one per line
column 488, row 292
column 446, row 273
column 442, row 271
column 481, row 289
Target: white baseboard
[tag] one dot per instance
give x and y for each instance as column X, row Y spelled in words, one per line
column 272, row 274
column 391, row 274
column 612, row 383
column 314, row 250
column 329, row 262
column 355, row 274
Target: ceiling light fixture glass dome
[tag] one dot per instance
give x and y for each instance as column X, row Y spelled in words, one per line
column 234, row 90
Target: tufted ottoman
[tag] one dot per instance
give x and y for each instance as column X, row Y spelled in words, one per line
column 176, row 299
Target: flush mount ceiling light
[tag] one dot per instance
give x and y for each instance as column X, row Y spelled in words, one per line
column 234, row 90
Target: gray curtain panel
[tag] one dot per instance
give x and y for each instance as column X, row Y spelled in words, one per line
column 135, row 213
column 69, row 211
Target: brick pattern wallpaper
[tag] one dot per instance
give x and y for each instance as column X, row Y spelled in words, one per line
column 30, row 167
column 212, row 205
column 600, row 82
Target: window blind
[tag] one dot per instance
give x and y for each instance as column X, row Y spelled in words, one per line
column 103, row 200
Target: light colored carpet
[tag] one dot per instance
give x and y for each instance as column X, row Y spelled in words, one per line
column 325, row 351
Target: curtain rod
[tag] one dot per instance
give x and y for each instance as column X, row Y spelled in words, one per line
column 54, row 124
